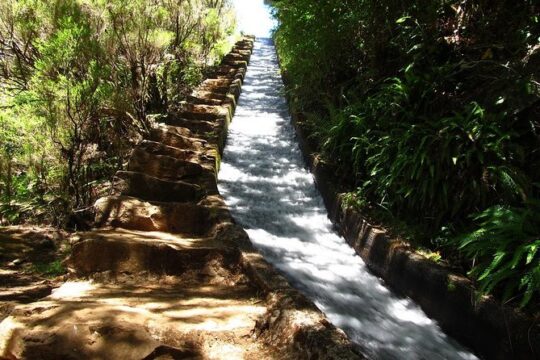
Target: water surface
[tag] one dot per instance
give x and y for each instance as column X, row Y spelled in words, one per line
column 274, row 198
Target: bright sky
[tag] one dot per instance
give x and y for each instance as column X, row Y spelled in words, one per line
column 254, row 17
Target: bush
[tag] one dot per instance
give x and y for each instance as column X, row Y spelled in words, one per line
column 431, row 109
column 77, row 81
column 505, row 251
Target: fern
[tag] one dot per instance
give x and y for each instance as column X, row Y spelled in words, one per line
column 505, row 246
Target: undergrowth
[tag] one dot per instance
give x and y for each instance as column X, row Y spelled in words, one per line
column 431, row 110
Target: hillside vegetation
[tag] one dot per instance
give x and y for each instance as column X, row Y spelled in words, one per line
column 431, row 111
column 78, row 81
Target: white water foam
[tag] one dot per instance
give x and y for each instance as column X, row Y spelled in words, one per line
column 274, row 198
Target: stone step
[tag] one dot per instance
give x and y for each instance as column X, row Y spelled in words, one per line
column 240, row 64
column 178, row 137
column 203, row 112
column 164, row 167
column 131, row 251
column 242, row 50
column 202, row 173
column 159, row 148
column 247, row 44
column 215, row 132
column 208, row 130
column 210, row 83
column 134, row 214
column 236, row 57
column 202, row 99
column 149, row 188
column 226, row 71
column 220, row 91
column 210, row 97
column 217, row 92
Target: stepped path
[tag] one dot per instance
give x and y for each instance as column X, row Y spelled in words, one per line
column 167, row 274
column 270, row 193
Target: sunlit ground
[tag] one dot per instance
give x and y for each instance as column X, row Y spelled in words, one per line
column 254, row 17
column 219, row 317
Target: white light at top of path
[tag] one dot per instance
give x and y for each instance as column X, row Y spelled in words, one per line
column 254, row 17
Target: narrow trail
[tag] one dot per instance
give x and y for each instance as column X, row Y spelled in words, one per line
column 263, row 181
column 166, row 273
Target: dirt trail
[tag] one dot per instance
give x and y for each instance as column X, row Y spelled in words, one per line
column 167, row 274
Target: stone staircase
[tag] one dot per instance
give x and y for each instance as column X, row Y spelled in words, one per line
column 167, row 273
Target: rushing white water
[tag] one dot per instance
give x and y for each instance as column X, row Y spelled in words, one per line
column 270, row 193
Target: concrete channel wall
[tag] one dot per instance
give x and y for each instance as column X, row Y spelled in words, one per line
column 491, row 330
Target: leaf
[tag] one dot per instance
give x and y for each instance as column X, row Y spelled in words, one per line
column 532, row 252
column 401, row 20
column 499, row 256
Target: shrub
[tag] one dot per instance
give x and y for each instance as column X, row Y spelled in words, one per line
column 430, row 108
column 505, row 250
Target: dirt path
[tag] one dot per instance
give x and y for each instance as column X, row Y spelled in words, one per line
column 167, row 274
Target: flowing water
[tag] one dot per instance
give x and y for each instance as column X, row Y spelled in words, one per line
column 274, row 198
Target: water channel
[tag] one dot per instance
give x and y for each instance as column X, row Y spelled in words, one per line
column 273, row 196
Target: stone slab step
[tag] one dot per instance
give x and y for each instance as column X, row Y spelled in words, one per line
column 230, row 72
column 232, row 56
column 203, row 100
column 149, row 188
column 163, row 166
column 176, row 137
column 128, row 251
column 221, row 91
column 239, row 64
column 242, row 50
column 203, row 112
column 135, row 214
column 217, row 83
column 206, row 97
column 208, row 130
column 202, row 173
column 159, row 148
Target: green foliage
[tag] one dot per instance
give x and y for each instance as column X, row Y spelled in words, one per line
column 77, row 81
column 505, row 248
column 52, row 269
column 430, row 108
column 414, row 161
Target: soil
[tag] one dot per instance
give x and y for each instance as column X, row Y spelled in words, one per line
column 26, row 255
column 141, row 316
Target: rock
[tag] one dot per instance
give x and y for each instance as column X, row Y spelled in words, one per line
column 150, row 188
column 164, row 352
column 123, row 251
column 294, row 323
column 166, row 167
column 203, row 112
column 206, row 129
column 131, row 213
column 178, row 137
column 15, row 263
column 157, row 148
